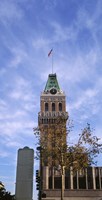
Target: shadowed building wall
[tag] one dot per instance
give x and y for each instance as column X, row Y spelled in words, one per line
column 24, row 176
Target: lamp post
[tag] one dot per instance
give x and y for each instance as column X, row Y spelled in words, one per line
column 62, row 178
column 61, row 169
column 40, row 188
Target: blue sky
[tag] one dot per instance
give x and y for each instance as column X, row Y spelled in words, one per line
column 28, row 30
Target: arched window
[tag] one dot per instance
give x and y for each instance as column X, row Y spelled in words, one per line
column 60, row 106
column 46, row 107
column 53, row 106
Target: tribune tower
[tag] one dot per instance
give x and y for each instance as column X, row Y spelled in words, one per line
column 52, row 102
column 85, row 184
column 52, row 106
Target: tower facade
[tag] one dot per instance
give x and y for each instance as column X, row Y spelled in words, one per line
column 52, row 107
column 85, row 184
column 52, row 103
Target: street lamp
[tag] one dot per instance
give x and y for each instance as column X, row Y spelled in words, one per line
column 39, row 148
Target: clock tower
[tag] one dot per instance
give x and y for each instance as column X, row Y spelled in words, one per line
column 86, row 183
column 52, row 102
column 52, row 106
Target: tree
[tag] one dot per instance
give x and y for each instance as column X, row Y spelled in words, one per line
column 5, row 195
column 58, row 153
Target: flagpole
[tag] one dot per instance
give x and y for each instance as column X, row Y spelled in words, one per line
column 52, row 62
column 51, row 53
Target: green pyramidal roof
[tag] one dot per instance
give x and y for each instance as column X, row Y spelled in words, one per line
column 52, row 83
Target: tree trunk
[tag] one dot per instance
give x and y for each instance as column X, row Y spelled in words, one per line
column 53, row 178
column 63, row 183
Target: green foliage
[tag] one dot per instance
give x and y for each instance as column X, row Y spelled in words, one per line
column 57, row 151
column 5, row 195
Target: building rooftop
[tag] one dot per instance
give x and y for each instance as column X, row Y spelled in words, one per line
column 52, row 83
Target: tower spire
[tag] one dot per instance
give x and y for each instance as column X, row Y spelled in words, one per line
column 52, row 82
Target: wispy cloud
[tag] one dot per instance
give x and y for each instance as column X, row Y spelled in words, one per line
column 29, row 29
column 4, row 154
column 62, row 34
column 10, row 11
column 84, row 98
column 49, row 4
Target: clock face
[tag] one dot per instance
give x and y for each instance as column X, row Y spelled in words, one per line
column 53, row 91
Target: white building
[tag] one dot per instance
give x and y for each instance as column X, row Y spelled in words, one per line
column 24, row 176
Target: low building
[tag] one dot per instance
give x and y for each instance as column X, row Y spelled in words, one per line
column 84, row 184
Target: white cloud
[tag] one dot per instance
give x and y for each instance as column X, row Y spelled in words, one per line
column 4, row 154
column 49, row 4
column 90, row 93
column 85, row 98
column 22, row 90
column 41, row 42
column 19, row 56
column 16, row 127
column 2, row 72
column 27, row 43
column 10, row 11
column 2, row 103
column 8, row 114
column 61, row 33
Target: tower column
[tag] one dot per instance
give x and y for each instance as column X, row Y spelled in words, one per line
column 99, row 177
column 71, row 178
column 53, row 178
column 77, row 175
column 46, row 177
column 86, row 178
column 94, row 180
